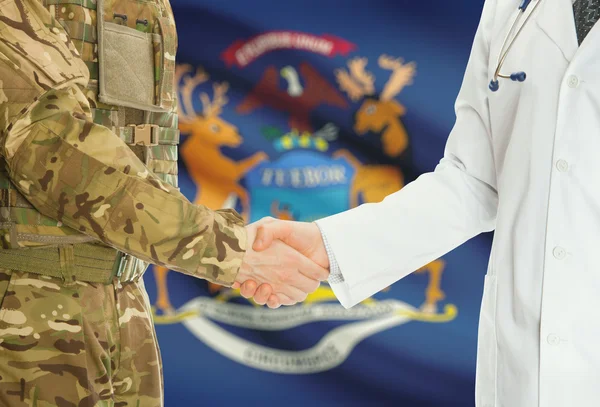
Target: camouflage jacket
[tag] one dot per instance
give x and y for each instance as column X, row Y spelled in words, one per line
column 80, row 174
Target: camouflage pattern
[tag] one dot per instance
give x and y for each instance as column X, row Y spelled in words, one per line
column 67, row 177
column 82, row 175
column 80, row 345
column 79, row 21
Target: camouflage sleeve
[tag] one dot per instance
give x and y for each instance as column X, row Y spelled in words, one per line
column 81, row 173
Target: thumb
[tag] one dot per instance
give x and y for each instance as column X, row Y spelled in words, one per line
column 268, row 232
column 264, row 238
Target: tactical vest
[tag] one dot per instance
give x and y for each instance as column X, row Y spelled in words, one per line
column 129, row 48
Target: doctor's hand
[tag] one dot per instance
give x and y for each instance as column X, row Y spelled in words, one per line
column 302, row 236
column 281, row 271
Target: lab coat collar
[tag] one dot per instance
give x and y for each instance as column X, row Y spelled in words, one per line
column 557, row 21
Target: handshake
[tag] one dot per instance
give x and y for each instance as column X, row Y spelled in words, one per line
column 284, row 262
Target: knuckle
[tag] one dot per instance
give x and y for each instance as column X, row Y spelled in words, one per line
column 316, row 273
column 266, row 220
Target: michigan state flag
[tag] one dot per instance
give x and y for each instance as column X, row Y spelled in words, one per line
column 301, row 110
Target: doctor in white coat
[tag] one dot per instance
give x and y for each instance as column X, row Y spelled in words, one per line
column 523, row 160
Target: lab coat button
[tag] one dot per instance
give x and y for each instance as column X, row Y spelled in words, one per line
column 553, row 339
column 559, row 253
column 573, row 81
column 562, row 165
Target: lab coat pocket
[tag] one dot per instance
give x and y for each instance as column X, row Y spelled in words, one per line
column 485, row 382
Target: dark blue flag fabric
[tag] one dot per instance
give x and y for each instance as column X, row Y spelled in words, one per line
column 300, row 110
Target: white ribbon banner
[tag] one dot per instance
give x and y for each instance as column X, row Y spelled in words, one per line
column 332, row 350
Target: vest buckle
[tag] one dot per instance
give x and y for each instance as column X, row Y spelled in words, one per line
column 144, row 134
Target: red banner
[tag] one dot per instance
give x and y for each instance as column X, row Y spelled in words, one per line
column 244, row 52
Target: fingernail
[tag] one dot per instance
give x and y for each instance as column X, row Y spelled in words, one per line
column 258, row 242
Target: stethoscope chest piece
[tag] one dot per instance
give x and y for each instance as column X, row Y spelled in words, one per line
column 515, row 77
column 507, row 45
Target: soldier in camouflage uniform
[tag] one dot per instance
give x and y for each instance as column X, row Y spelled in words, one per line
column 88, row 197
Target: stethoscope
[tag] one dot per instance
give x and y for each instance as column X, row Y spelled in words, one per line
column 516, row 76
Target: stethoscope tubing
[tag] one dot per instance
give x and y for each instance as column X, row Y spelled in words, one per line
column 519, row 76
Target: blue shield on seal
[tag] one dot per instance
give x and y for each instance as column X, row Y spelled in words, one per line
column 301, row 185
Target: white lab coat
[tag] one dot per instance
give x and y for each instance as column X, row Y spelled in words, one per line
column 524, row 161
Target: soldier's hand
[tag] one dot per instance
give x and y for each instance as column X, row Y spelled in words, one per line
column 279, row 270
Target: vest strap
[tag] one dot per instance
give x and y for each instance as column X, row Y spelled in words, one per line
column 148, row 135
